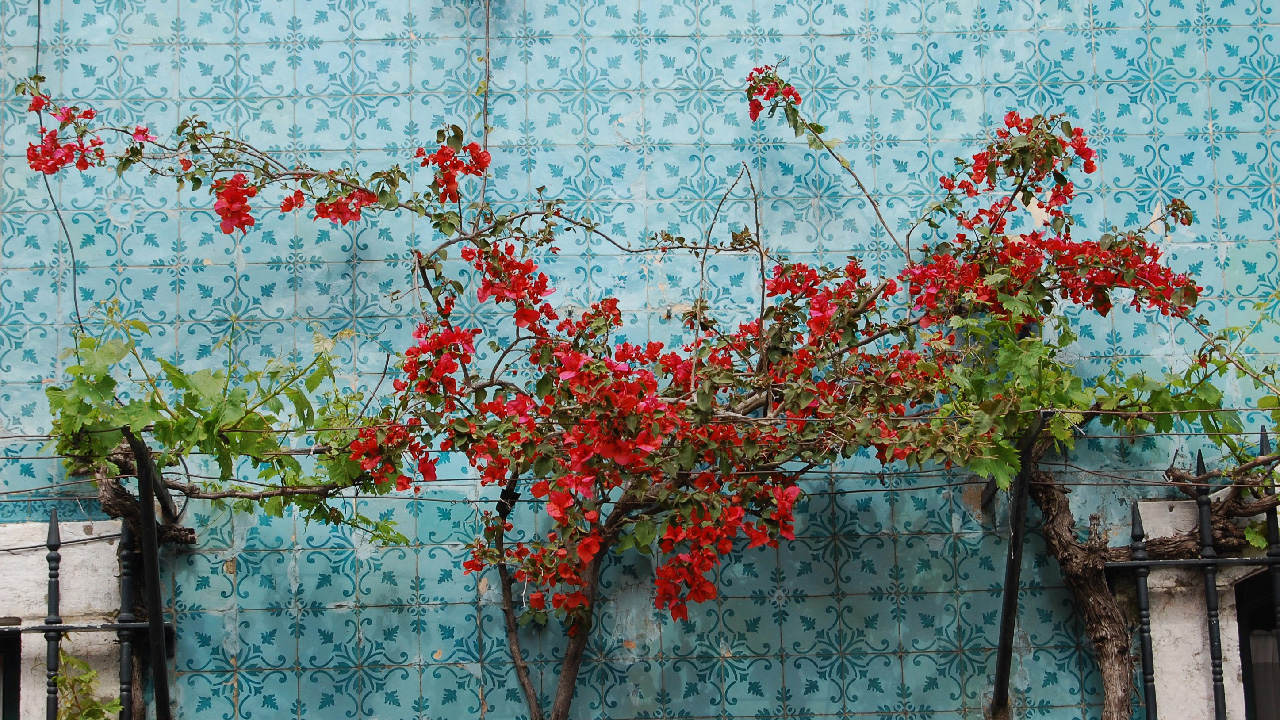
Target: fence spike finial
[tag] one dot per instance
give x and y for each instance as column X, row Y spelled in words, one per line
column 55, row 538
column 1200, row 469
column 1138, row 533
column 1264, row 442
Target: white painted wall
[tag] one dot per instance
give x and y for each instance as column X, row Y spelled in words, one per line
column 90, row 595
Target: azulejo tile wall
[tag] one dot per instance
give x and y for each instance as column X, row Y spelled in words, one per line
column 885, row 604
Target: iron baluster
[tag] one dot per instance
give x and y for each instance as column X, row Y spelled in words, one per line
column 1210, row 563
column 125, row 636
column 1211, row 592
column 53, row 638
column 1138, row 552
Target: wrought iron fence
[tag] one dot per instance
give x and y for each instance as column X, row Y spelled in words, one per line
column 154, row 631
column 1209, row 563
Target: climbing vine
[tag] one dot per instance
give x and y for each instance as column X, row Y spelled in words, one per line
column 681, row 451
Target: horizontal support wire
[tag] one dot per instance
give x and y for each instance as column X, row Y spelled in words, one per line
column 811, row 477
column 105, row 627
column 736, row 421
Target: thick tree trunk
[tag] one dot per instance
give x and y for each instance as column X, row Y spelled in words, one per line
column 1082, row 565
column 1083, row 569
column 117, row 502
column 574, row 654
column 567, row 682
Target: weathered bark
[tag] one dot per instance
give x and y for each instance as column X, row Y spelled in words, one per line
column 1227, row 533
column 1084, row 572
column 120, row 503
column 1083, row 563
column 580, row 631
column 567, row 685
column 505, row 505
column 573, row 657
column 1226, row 536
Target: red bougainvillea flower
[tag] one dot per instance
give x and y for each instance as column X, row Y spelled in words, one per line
column 764, row 85
column 292, row 202
column 232, row 204
column 450, row 164
column 51, row 154
column 344, row 208
column 378, row 449
column 141, row 133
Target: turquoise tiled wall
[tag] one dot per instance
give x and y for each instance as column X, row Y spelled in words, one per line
column 885, row 604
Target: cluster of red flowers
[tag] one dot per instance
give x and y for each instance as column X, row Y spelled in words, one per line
column 694, row 548
column 65, row 114
column 1080, row 144
column 378, row 449
column 344, row 208
column 620, row 440
column 450, row 164
column 939, row 283
column 1087, row 271
column 85, row 149
column 51, row 154
column 804, row 283
column 38, row 103
column 232, row 203
column 597, row 425
column 764, row 85
column 1045, row 259
column 508, row 279
column 430, row 365
column 293, row 202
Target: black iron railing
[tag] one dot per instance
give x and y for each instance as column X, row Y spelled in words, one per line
column 154, row 631
column 1209, row 563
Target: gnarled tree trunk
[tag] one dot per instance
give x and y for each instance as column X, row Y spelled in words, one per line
column 1083, row 569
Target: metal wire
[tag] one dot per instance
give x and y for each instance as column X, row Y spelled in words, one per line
column 95, row 538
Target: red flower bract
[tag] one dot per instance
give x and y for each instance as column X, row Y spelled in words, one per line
column 344, row 208
column 232, row 203
column 764, row 85
column 449, row 165
column 292, row 202
column 51, row 154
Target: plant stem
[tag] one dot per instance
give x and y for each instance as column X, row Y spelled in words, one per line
column 848, row 168
column 513, row 638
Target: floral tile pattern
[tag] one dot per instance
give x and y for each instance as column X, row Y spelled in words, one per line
column 885, row 605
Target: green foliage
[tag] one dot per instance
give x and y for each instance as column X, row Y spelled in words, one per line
column 78, row 691
column 230, row 415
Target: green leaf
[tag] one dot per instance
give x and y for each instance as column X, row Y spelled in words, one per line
column 687, row 457
column 645, row 531
column 544, row 386
column 705, row 397
column 1256, row 535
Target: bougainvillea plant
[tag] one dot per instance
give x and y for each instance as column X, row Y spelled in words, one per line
column 683, row 451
